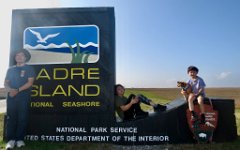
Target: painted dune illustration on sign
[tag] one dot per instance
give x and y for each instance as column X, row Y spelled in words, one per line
column 62, row 44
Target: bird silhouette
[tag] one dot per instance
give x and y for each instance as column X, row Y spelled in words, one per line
column 43, row 40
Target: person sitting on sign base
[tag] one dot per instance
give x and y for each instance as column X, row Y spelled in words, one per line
column 129, row 108
column 197, row 85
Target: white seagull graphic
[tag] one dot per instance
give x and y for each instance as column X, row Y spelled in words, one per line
column 43, row 40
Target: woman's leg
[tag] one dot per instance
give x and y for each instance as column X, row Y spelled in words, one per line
column 11, row 118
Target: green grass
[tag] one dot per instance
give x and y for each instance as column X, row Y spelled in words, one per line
column 156, row 99
column 148, row 94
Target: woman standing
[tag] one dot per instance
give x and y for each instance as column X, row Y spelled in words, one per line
column 18, row 83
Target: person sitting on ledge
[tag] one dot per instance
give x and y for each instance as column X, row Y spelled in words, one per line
column 129, row 108
column 197, row 85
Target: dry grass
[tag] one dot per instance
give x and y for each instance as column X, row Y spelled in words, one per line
column 228, row 93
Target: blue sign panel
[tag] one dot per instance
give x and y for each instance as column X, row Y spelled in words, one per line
column 62, row 44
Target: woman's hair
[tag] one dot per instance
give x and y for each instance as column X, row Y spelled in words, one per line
column 192, row 68
column 25, row 52
column 116, row 86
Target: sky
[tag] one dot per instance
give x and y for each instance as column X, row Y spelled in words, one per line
column 156, row 40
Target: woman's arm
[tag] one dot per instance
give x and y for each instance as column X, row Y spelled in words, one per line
column 14, row 92
column 6, row 85
column 26, row 85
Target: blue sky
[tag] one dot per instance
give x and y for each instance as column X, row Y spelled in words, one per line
column 156, row 40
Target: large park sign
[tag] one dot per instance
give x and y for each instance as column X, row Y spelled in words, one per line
column 73, row 54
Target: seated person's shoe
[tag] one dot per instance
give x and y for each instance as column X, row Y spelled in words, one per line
column 20, row 144
column 10, row 145
column 159, row 108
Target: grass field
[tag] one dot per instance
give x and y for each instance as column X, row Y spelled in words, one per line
column 163, row 96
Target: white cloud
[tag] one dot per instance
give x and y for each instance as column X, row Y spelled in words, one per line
column 223, row 75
